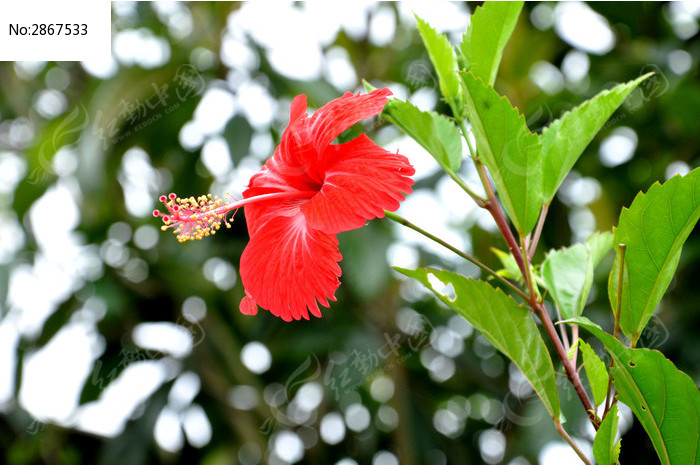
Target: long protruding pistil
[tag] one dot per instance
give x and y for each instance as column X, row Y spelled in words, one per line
column 195, row 218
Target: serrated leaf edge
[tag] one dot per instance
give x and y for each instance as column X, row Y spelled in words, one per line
column 432, row 114
column 585, row 322
column 476, row 16
column 600, row 94
column 455, row 65
column 626, row 212
column 567, row 114
column 521, row 117
column 498, row 291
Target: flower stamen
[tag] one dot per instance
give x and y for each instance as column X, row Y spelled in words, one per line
column 195, row 218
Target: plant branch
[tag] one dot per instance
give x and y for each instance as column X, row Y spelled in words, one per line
column 491, row 204
column 568, row 366
column 500, row 219
column 562, row 331
column 538, row 307
column 571, row 442
column 616, row 330
column 480, row 201
column 620, row 276
column 404, row 222
column 574, row 337
column 465, row 134
column 538, row 232
column 531, row 285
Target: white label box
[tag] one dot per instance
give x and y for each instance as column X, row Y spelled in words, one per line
column 60, row 30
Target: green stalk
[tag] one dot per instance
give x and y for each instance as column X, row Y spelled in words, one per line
column 404, row 222
column 620, row 273
column 618, row 307
column 480, row 201
column 571, row 442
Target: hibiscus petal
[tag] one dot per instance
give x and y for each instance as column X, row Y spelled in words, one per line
column 296, row 156
column 297, row 108
column 287, row 267
column 339, row 114
column 248, row 306
column 277, row 176
column 258, row 215
column 296, row 161
column 361, row 181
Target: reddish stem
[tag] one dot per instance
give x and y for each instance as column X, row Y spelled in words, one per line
column 568, row 366
column 493, row 208
column 538, row 307
column 538, row 231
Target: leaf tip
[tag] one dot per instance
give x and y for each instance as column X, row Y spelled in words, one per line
column 368, row 87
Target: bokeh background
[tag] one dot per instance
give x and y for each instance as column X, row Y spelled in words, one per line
column 120, row 345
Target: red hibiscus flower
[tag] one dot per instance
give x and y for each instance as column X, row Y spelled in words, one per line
column 306, row 193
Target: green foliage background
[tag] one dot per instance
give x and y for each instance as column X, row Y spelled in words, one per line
column 371, row 298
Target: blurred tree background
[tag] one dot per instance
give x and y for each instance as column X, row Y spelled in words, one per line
column 120, row 345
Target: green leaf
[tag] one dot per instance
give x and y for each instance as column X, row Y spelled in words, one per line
column 654, row 229
column 489, row 30
column 509, row 150
column 565, row 139
column 443, row 58
column 605, row 451
column 616, row 452
column 665, row 400
column 508, row 326
column 510, row 270
column 568, row 278
column 573, row 349
column 568, row 273
column 435, row 133
column 596, row 371
column 599, row 244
